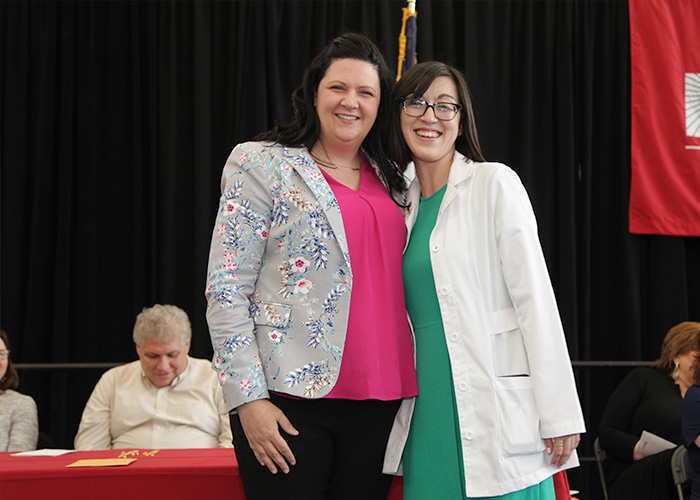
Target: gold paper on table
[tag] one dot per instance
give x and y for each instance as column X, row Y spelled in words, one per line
column 101, row 462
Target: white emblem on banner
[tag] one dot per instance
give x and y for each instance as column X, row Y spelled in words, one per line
column 692, row 104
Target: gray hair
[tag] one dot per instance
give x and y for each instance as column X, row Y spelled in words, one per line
column 162, row 323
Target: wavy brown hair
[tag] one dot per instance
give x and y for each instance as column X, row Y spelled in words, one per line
column 680, row 339
column 11, row 379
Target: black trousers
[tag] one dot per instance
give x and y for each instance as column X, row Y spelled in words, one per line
column 647, row 479
column 339, row 451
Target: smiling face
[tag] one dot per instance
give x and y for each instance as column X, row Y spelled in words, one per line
column 432, row 141
column 163, row 361
column 347, row 102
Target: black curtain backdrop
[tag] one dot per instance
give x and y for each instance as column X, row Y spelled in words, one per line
column 117, row 117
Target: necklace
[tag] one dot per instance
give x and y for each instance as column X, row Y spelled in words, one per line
column 328, row 163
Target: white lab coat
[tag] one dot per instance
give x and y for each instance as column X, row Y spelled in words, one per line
column 514, row 385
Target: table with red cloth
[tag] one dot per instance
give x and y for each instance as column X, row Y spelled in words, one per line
column 169, row 474
column 172, row 474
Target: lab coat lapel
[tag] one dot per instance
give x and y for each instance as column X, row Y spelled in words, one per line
column 460, row 172
column 412, row 204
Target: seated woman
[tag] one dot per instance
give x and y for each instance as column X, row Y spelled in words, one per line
column 649, row 399
column 691, row 426
column 19, row 424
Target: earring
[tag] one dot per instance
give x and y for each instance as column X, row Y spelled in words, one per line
column 677, row 374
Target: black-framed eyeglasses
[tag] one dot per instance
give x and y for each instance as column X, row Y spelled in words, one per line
column 5, row 353
column 444, row 111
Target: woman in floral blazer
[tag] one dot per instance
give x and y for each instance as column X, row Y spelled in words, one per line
column 306, row 307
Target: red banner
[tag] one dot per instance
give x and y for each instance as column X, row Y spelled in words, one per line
column 665, row 51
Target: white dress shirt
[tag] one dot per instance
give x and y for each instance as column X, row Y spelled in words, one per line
column 126, row 410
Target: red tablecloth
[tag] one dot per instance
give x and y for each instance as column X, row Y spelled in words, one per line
column 171, row 474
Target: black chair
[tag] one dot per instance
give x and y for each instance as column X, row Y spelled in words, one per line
column 682, row 471
column 600, row 458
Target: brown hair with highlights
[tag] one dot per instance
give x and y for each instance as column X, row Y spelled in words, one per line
column 11, row 379
column 681, row 339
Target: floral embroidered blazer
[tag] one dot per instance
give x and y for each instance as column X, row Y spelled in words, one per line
column 279, row 276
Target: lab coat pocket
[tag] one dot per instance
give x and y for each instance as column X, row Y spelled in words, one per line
column 507, row 345
column 270, row 314
column 518, row 421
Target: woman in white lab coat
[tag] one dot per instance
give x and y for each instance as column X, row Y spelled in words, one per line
column 497, row 411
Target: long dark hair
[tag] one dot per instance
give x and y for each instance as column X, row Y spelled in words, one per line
column 10, row 380
column 305, row 129
column 414, row 83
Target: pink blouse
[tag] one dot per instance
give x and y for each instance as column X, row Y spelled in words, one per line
column 378, row 358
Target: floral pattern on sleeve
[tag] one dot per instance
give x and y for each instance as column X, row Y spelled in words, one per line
column 279, row 276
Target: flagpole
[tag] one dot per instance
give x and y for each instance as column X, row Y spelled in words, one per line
column 408, row 12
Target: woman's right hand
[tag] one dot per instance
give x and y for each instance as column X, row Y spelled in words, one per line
column 637, row 456
column 261, row 421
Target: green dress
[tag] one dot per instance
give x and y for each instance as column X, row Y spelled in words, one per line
column 432, row 459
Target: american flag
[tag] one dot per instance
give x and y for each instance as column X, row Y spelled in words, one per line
column 407, row 39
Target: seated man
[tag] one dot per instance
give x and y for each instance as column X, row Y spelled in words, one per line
column 164, row 400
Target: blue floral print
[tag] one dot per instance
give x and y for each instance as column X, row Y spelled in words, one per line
column 279, row 277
